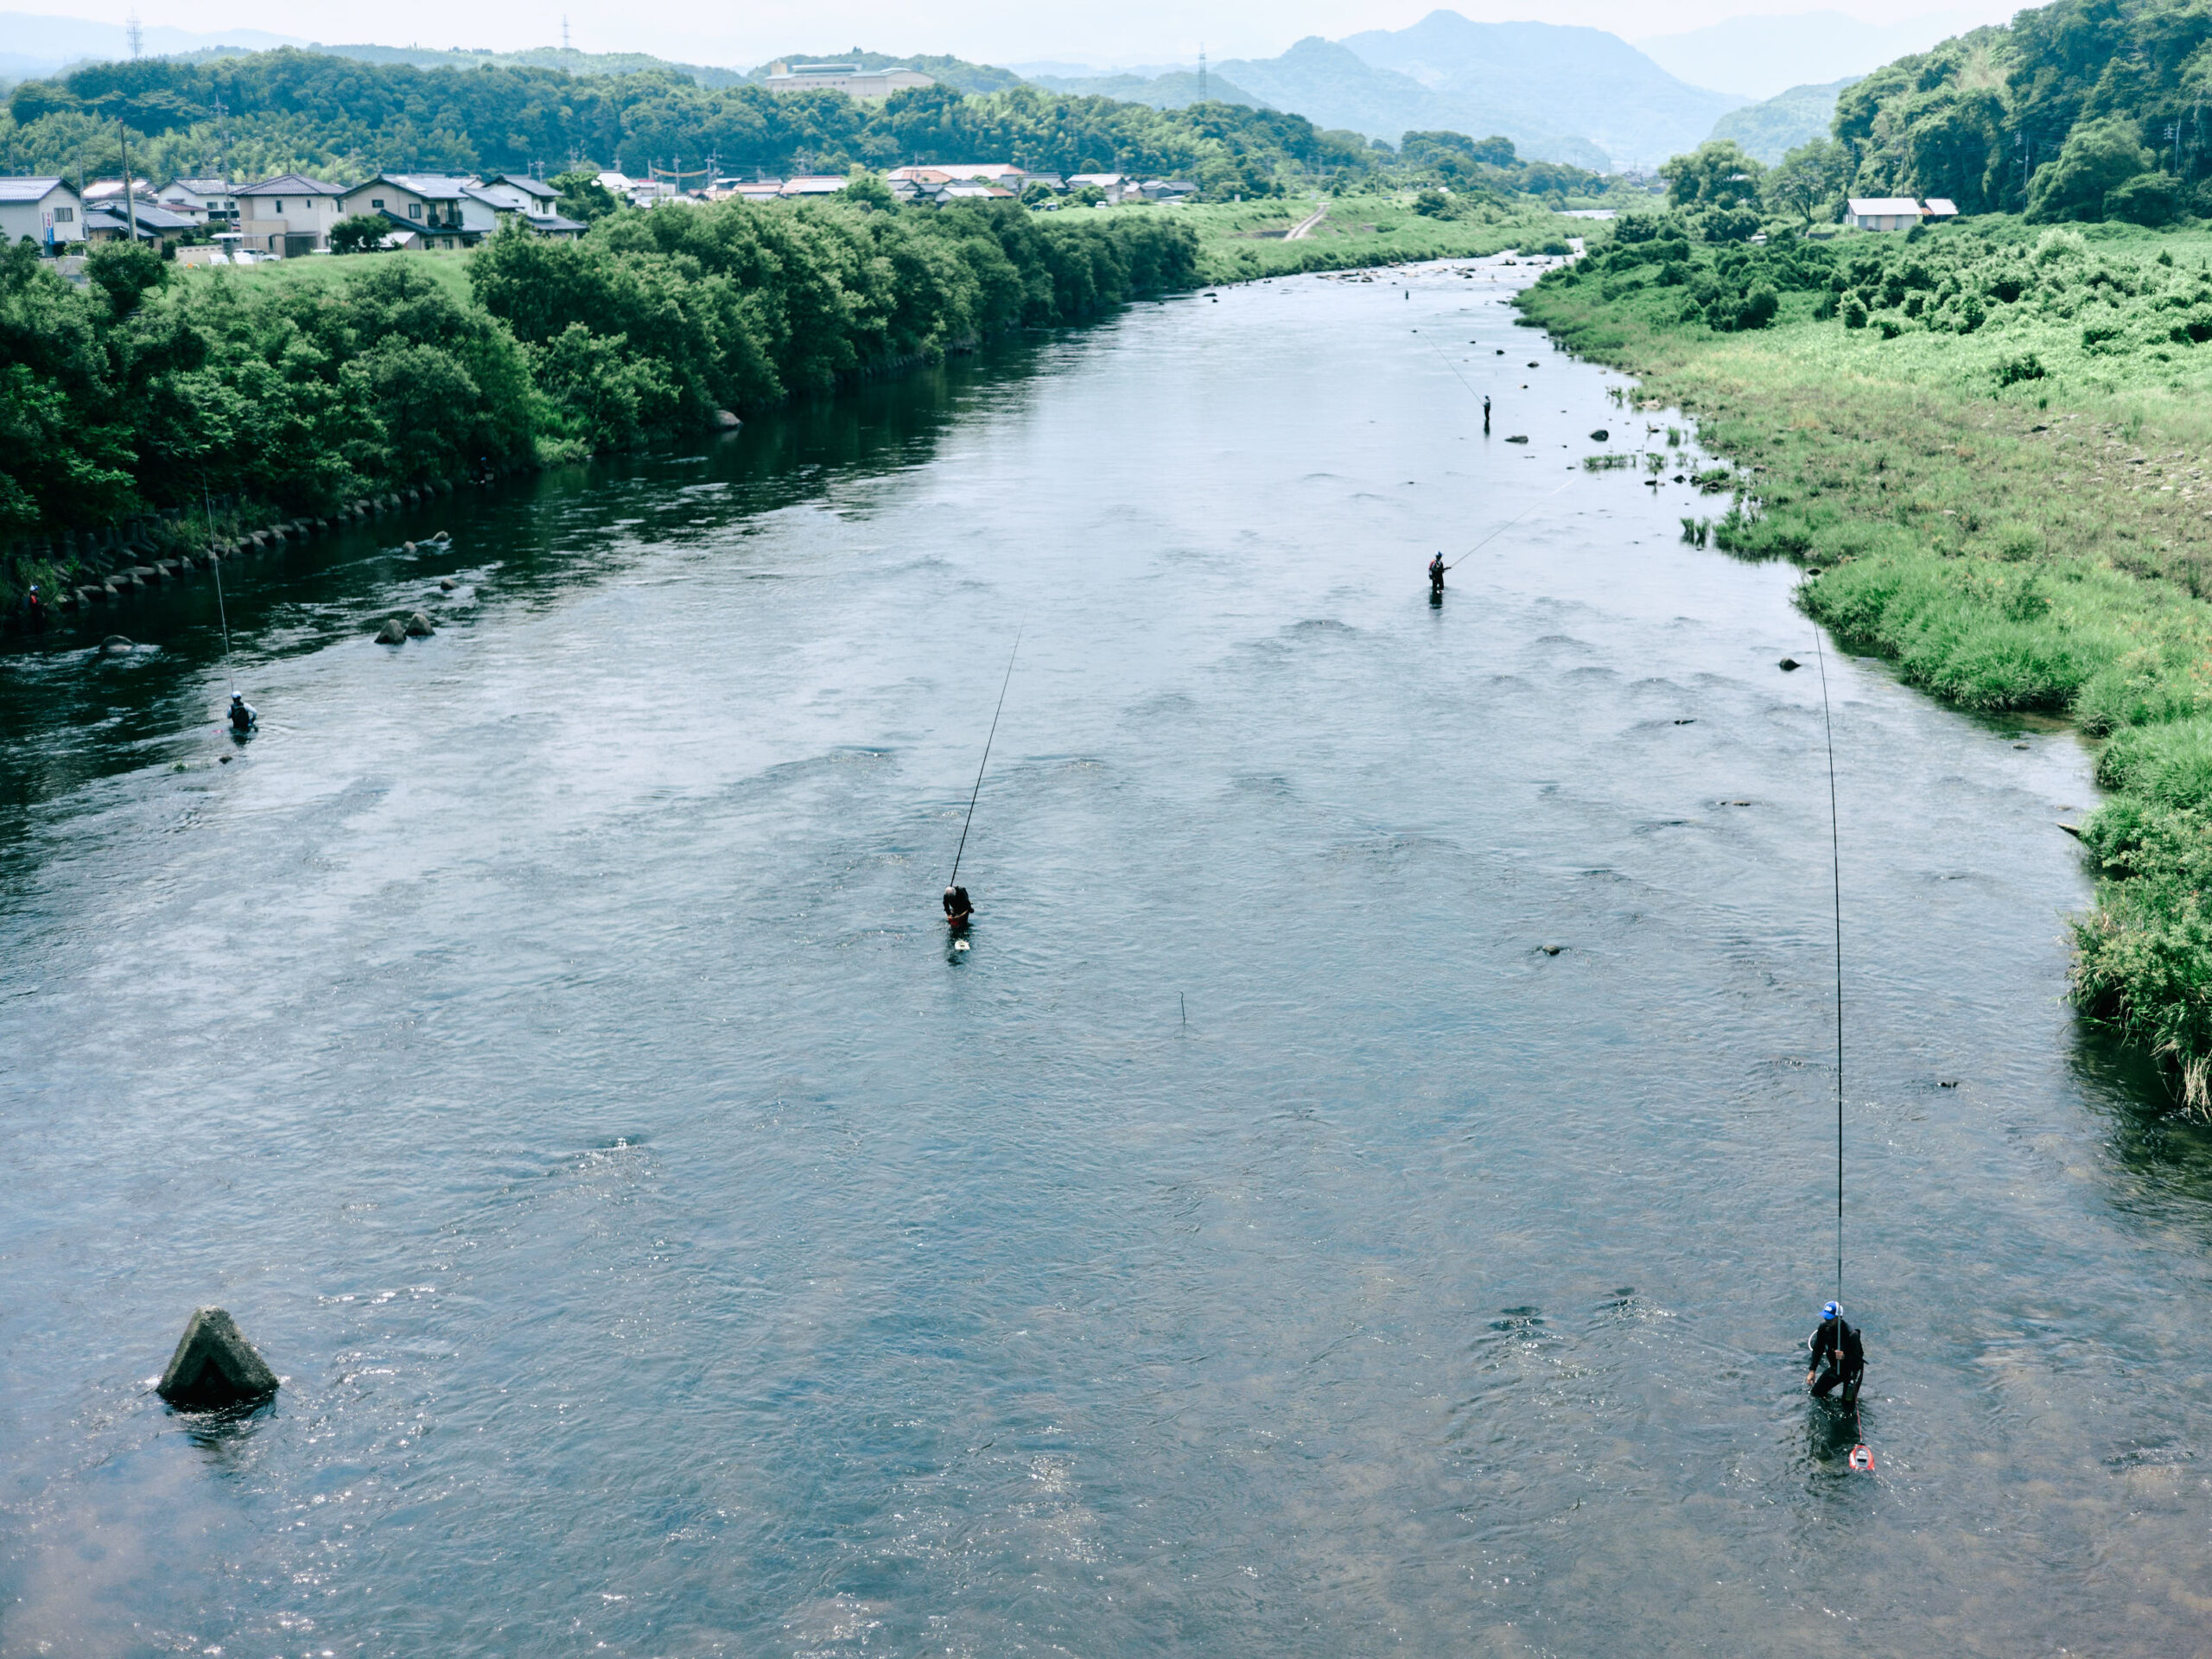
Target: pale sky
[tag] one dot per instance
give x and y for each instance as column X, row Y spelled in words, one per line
column 992, row 31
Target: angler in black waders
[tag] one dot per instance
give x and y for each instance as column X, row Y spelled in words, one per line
column 1838, row 1358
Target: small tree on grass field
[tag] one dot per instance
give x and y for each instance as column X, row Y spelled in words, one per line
column 358, row 234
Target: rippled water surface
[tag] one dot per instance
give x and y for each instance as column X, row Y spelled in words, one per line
column 543, row 1040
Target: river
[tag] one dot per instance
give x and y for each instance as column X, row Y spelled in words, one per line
column 542, row 1038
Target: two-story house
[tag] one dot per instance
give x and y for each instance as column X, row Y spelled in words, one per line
column 46, row 210
column 288, row 216
column 536, row 201
column 428, row 210
column 208, row 200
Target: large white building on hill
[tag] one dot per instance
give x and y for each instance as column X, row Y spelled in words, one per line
column 847, row 78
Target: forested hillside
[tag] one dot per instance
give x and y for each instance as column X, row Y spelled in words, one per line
column 291, row 110
column 2087, row 108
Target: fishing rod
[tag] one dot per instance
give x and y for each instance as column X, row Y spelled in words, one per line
column 1502, row 528
column 207, row 503
column 1835, row 876
column 978, row 790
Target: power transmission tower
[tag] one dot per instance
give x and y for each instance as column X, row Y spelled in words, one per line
column 1202, row 72
column 136, row 33
column 564, row 31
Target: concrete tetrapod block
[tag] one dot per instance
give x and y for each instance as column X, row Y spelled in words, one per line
column 214, row 1366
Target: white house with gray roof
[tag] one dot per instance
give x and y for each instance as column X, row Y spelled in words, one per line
column 46, row 211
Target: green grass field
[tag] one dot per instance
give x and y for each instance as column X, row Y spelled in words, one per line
column 1992, row 450
column 450, row 269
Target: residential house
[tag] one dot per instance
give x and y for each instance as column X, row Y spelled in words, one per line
column 1115, row 185
column 1166, row 190
column 1942, row 208
column 288, row 216
column 424, row 210
column 1005, row 175
column 518, row 193
column 1883, row 212
column 758, row 190
column 968, row 190
column 533, row 201
column 209, row 202
column 157, row 226
column 815, row 184
column 101, row 193
column 849, row 78
column 43, row 211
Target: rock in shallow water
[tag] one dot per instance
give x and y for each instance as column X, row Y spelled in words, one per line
column 394, row 633
column 214, row 1366
column 418, row 626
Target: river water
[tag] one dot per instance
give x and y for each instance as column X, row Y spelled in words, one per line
column 542, row 1038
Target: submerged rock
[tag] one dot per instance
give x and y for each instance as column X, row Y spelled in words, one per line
column 447, row 584
column 214, row 1366
column 727, row 419
column 394, row 633
column 1789, row 665
column 1599, row 435
column 1518, row 437
column 114, row 643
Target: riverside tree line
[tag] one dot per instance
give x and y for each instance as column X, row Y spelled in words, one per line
column 146, row 388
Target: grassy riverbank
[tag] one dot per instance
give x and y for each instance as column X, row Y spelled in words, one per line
column 1989, row 446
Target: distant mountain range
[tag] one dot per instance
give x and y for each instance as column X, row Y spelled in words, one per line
column 1561, row 94
column 1771, row 130
column 1762, row 57
column 1544, row 79
column 1165, row 89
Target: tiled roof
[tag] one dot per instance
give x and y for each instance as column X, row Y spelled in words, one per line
column 26, row 189
column 289, row 184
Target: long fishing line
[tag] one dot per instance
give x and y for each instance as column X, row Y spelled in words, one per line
column 1835, row 874
column 1502, row 528
column 1454, row 367
column 986, row 761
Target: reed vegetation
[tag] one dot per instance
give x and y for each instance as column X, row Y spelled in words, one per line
column 1989, row 446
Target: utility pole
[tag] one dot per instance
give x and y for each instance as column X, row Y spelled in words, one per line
column 130, row 204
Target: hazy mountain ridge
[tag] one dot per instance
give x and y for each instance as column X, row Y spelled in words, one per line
column 33, row 44
column 1174, row 89
column 1549, row 78
column 1772, row 129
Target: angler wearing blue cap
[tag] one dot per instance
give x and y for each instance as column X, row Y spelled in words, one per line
column 1837, row 1356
